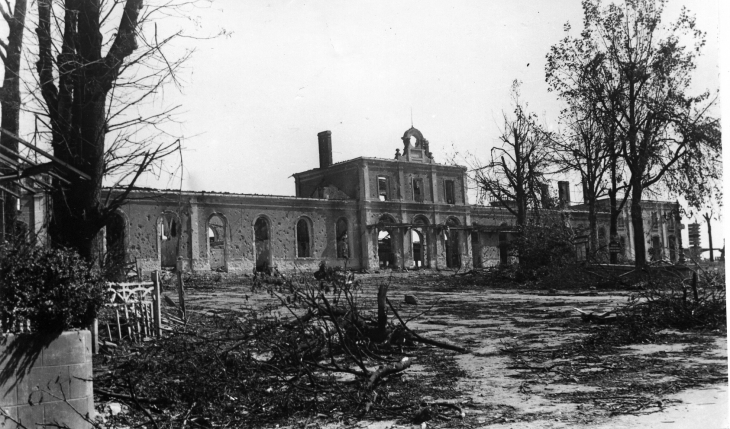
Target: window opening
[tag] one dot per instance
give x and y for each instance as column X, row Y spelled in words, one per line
column 449, row 185
column 418, row 190
column 343, row 245
column 382, row 188
column 216, row 243
column 262, row 244
column 303, row 239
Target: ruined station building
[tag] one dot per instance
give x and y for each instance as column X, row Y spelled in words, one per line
column 364, row 213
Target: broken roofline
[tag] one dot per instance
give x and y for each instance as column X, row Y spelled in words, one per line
column 365, row 158
column 176, row 192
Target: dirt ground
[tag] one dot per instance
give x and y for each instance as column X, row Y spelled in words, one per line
column 528, row 367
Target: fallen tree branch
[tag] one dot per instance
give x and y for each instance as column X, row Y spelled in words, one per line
column 420, row 339
column 387, row 370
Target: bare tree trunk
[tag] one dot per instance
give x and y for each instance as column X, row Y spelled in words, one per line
column 77, row 109
column 637, row 221
column 10, row 102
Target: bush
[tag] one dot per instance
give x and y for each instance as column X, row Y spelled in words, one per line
column 542, row 247
column 53, row 289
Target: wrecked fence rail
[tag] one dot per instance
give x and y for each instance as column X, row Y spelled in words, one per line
column 134, row 311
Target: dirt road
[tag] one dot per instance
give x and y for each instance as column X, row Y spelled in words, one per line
column 529, row 364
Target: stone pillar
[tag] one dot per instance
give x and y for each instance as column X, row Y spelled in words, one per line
column 194, row 231
column 434, row 185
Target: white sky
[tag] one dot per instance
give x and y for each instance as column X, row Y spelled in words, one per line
column 254, row 101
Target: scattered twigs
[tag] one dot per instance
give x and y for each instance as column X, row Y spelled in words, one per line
column 423, row 340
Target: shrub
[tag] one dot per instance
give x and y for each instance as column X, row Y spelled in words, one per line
column 542, row 247
column 53, row 289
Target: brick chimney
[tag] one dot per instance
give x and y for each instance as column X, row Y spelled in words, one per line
column 325, row 149
column 564, row 191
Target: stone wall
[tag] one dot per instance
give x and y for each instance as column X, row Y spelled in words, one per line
column 46, row 379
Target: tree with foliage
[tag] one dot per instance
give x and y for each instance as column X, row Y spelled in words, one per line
column 10, row 54
column 515, row 174
column 93, row 79
column 637, row 72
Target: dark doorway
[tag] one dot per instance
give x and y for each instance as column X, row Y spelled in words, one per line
column 262, row 244
column 453, row 255
column 476, row 250
column 169, row 230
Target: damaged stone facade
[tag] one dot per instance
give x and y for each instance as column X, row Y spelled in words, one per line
column 364, row 213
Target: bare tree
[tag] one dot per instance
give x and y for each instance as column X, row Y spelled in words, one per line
column 10, row 53
column 515, row 173
column 582, row 147
column 640, row 75
column 98, row 62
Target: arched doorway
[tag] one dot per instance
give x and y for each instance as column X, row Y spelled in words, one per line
column 262, row 243
column 452, row 245
column 420, row 242
column 168, row 234
column 386, row 244
column 217, row 242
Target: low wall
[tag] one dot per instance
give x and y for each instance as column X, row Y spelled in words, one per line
column 46, row 379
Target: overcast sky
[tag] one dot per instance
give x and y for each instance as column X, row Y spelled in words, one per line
column 255, row 100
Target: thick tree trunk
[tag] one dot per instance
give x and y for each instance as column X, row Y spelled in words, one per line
column 77, row 107
column 10, row 102
column 637, row 221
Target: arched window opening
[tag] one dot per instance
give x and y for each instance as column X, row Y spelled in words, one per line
column 262, row 243
column 303, row 243
column 417, row 242
column 420, row 244
column 217, row 242
column 343, row 244
column 169, row 233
